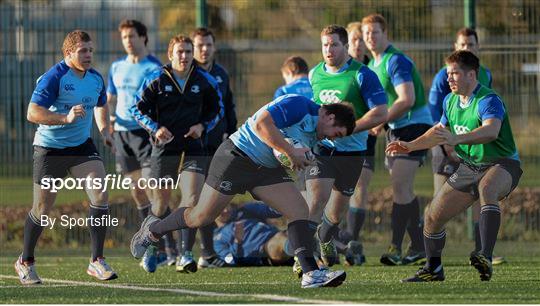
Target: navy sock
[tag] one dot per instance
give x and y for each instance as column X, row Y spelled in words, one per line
column 179, row 242
column 32, row 231
column 355, row 221
column 301, row 240
column 174, row 221
column 167, row 241
column 414, row 227
column 207, row 240
column 490, row 221
column 477, row 238
column 143, row 211
column 399, row 223
column 97, row 233
column 188, row 239
column 344, row 236
column 327, row 230
column 434, row 244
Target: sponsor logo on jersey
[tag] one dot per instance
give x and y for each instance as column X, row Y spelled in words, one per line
column 195, row 89
column 460, row 129
column 328, row 96
column 69, row 87
column 168, row 88
column 219, row 79
column 87, row 100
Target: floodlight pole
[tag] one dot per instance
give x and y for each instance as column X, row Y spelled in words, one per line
column 469, row 13
column 202, row 13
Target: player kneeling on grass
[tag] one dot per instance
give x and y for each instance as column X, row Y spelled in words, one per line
column 245, row 162
column 475, row 121
column 63, row 104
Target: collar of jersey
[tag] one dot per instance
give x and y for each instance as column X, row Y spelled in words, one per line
column 347, row 64
column 475, row 91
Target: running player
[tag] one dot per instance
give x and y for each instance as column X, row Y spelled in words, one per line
column 295, row 73
column 408, row 118
column 475, row 121
column 63, row 104
column 177, row 105
column 331, row 183
column 245, row 162
column 132, row 142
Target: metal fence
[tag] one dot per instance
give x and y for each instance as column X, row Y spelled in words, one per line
column 254, row 37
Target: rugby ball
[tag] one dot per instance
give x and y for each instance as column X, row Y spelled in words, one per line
column 282, row 157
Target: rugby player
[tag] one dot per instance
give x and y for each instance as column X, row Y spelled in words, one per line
column 408, row 118
column 331, row 182
column 444, row 158
column 475, row 121
column 295, row 73
column 225, row 124
column 176, row 106
column 245, row 162
column 63, row 104
column 131, row 141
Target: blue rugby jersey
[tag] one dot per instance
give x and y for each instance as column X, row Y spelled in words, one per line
column 125, row 79
column 58, row 90
column 400, row 69
column 300, row 86
column 296, row 116
column 373, row 95
column 256, row 233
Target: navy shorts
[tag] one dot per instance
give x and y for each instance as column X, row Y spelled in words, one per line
column 165, row 160
column 369, row 159
column 232, row 171
column 55, row 163
column 407, row 133
column 133, row 150
column 344, row 167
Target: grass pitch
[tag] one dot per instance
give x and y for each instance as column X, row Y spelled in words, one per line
column 65, row 281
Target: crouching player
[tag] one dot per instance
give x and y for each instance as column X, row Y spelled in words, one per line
column 475, row 121
column 245, row 162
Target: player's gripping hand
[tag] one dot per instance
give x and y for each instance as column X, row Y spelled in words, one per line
column 163, row 135
column 195, row 131
column 299, row 158
column 75, row 112
column 398, row 147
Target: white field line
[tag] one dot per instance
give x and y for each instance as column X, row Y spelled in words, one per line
column 271, row 297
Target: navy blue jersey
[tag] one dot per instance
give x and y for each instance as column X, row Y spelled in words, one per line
column 226, row 120
column 165, row 102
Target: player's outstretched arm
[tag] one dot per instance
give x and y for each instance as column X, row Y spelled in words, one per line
column 40, row 115
column 428, row 140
